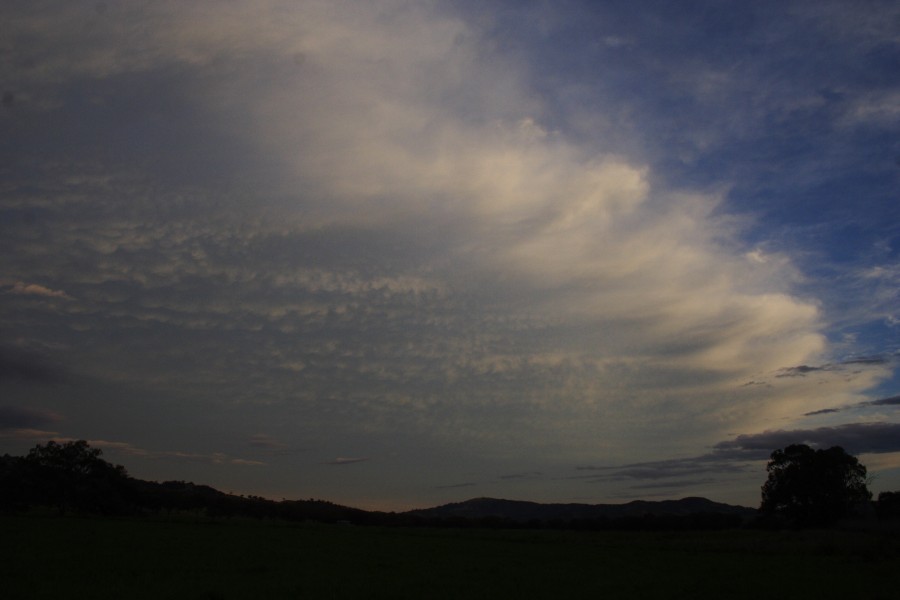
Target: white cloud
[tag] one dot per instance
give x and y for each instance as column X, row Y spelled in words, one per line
column 564, row 289
column 21, row 288
column 880, row 109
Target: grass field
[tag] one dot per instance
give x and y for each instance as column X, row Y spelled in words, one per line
column 47, row 557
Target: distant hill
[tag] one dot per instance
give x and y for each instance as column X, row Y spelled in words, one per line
column 521, row 511
column 72, row 478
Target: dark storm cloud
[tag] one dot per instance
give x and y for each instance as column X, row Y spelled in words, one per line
column 18, row 417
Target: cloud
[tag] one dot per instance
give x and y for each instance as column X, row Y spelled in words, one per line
column 891, row 401
column 346, row 461
column 18, row 417
column 736, row 455
column 524, row 475
column 867, row 360
column 799, row 371
column 823, row 411
column 20, row 288
column 29, row 434
column 663, row 469
column 17, row 364
column 266, row 442
column 247, row 462
column 456, row 485
column 842, row 365
column 129, row 449
column 361, row 219
column 420, row 222
column 856, row 438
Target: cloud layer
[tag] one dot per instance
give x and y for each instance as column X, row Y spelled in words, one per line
column 402, row 231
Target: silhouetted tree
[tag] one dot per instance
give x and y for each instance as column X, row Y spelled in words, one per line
column 813, row 487
column 73, row 476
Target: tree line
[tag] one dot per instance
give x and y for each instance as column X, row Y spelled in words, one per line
column 805, row 487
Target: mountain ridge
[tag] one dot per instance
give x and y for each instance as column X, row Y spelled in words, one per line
column 523, row 510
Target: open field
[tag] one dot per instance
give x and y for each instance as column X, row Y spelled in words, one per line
column 47, row 557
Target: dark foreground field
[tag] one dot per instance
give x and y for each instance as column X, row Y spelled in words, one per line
column 46, row 557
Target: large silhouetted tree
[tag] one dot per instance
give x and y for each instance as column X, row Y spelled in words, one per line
column 813, row 487
column 72, row 475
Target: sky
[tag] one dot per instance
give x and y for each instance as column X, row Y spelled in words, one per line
column 394, row 254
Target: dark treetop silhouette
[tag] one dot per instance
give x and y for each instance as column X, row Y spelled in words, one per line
column 813, row 487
